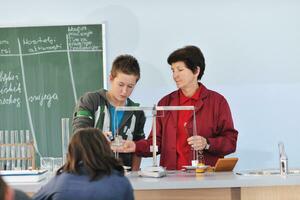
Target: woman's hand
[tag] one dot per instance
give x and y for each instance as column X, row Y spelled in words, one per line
column 128, row 147
column 197, row 142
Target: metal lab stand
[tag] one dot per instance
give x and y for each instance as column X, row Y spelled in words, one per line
column 155, row 170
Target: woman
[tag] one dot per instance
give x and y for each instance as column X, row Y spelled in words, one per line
column 91, row 172
column 97, row 109
column 215, row 133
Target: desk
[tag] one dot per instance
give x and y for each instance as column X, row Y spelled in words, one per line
column 219, row 185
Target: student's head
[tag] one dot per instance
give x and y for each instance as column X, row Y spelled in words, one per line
column 124, row 75
column 2, row 188
column 6, row 192
column 188, row 58
column 90, row 149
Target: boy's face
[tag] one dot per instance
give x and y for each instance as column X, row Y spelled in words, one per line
column 122, row 86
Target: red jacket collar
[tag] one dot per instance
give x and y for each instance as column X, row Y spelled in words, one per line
column 175, row 99
column 175, row 95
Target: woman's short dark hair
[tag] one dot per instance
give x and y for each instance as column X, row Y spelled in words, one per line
column 192, row 58
column 89, row 148
column 126, row 64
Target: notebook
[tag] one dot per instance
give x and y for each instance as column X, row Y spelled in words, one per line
column 225, row 164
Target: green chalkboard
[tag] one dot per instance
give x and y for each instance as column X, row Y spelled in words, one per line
column 43, row 71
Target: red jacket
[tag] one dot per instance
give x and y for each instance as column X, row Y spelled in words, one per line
column 214, row 122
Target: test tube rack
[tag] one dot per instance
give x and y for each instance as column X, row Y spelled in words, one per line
column 30, row 157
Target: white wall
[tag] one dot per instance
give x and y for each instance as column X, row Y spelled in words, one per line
column 252, row 53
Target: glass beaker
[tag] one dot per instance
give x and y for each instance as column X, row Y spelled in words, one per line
column 57, row 163
column 47, row 163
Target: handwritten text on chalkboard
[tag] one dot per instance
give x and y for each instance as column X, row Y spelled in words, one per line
column 11, row 91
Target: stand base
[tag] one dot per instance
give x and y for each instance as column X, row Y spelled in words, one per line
column 153, row 171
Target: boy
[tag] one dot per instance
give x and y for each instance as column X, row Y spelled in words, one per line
column 97, row 109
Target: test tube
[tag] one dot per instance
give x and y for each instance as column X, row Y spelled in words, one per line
column 195, row 160
column 117, row 139
column 18, row 150
column 1, row 150
column 12, row 149
column 23, row 154
column 28, row 150
column 7, row 149
column 65, row 137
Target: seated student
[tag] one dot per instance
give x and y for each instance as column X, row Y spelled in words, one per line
column 97, row 109
column 7, row 193
column 91, row 172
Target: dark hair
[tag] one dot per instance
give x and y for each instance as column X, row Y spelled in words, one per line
column 126, row 64
column 89, row 148
column 192, row 58
column 3, row 187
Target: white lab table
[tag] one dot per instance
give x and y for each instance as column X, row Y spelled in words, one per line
column 209, row 185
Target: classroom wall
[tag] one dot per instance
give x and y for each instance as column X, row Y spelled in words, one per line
column 252, row 53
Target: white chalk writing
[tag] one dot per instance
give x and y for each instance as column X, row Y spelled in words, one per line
column 4, row 47
column 40, row 40
column 5, row 51
column 43, row 99
column 11, row 92
column 11, row 101
column 79, row 38
column 47, row 48
column 6, row 77
column 10, row 88
column 41, row 44
column 4, row 42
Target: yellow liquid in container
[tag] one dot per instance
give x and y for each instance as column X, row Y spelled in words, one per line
column 200, row 170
